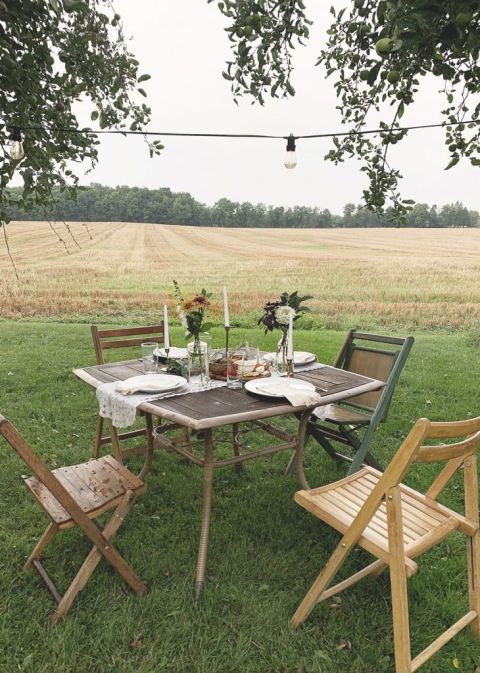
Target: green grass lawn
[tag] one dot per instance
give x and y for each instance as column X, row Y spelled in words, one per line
column 264, row 550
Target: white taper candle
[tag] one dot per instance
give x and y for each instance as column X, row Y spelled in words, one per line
column 166, row 335
column 226, row 317
column 290, row 339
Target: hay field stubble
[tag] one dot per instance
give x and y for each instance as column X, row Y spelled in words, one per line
column 412, row 278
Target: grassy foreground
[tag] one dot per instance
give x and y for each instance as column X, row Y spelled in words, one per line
column 264, row 550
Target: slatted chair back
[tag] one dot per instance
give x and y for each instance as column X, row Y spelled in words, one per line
column 125, row 337
column 414, row 450
column 459, row 454
column 360, row 353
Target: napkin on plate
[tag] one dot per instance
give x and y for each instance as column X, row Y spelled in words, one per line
column 303, row 359
column 129, row 387
column 297, row 397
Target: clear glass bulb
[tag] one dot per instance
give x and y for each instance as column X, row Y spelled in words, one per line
column 16, row 150
column 290, row 159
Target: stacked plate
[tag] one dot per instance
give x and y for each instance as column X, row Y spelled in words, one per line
column 150, row 383
column 299, row 358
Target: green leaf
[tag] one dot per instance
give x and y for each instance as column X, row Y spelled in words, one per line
column 453, row 162
column 142, row 92
column 143, row 78
column 55, row 5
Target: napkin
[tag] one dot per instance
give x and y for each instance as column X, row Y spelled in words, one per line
column 129, row 387
column 297, row 397
column 300, row 360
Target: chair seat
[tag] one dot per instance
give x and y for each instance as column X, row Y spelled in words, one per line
column 337, row 504
column 341, row 415
column 97, row 486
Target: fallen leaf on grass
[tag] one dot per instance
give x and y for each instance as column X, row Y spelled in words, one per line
column 456, row 663
column 135, row 644
column 344, row 645
column 336, row 602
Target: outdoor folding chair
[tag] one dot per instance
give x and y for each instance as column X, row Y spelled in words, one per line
column 76, row 496
column 126, row 337
column 396, row 523
column 354, row 422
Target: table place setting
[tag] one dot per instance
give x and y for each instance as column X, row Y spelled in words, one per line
column 298, row 393
column 119, row 400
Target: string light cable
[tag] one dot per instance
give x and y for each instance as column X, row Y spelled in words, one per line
column 16, row 150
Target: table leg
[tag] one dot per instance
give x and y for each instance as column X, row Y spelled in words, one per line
column 117, row 452
column 149, row 452
column 206, row 510
column 302, row 428
column 236, row 445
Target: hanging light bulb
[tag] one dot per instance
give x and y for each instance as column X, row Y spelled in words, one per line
column 290, row 159
column 16, row 145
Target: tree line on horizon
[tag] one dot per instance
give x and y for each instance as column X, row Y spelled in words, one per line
column 99, row 203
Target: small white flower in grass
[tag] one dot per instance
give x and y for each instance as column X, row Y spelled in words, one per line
column 283, row 313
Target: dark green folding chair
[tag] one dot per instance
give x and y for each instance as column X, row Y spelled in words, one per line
column 353, row 423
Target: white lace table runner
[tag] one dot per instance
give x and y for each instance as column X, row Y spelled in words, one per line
column 122, row 409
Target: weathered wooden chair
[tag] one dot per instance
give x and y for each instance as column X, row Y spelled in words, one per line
column 354, row 422
column 76, row 496
column 125, row 337
column 396, row 523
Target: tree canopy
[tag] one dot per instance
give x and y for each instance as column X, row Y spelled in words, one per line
column 57, row 52
column 377, row 53
column 53, row 54
column 136, row 204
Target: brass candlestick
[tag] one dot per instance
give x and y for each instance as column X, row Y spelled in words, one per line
column 167, row 351
column 289, row 367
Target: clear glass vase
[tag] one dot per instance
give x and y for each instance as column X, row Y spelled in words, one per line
column 281, row 364
column 197, row 352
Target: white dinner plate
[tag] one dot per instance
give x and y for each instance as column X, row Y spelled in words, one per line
column 260, row 387
column 175, row 353
column 154, row 383
column 299, row 357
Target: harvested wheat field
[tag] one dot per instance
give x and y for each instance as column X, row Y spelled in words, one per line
column 367, row 277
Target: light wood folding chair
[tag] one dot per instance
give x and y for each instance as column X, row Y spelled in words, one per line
column 107, row 339
column 396, row 523
column 76, row 496
column 354, row 422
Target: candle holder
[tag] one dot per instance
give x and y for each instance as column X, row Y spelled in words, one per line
column 167, row 350
column 289, row 367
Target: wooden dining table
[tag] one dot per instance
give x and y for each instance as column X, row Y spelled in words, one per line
column 204, row 416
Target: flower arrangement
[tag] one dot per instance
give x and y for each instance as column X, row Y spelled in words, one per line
column 276, row 314
column 191, row 312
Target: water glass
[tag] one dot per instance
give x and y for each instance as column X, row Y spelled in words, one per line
column 150, row 364
column 235, row 369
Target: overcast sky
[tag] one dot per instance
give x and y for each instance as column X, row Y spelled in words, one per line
column 183, row 46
